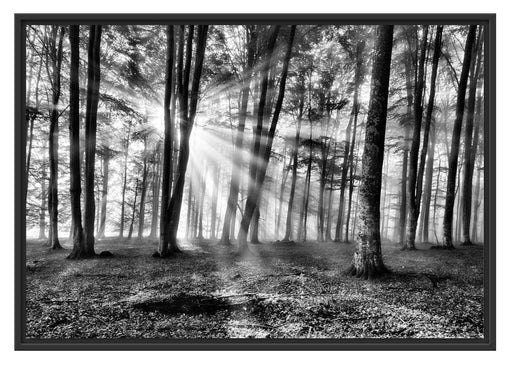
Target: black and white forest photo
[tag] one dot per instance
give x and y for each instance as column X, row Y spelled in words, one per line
column 260, row 182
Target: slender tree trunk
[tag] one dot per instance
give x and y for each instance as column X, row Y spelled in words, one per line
column 187, row 116
column 234, row 185
column 344, row 173
column 257, row 133
column 356, row 212
column 476, row 202
column 43, row 207
column 155, row 193
column 215, row 194
column 125, row 181
column 134, row 208
column 469, row 162
column 142, row 209
column 104, row 193
column 328, row 229
column 454, row 151
column 202, row 195
column 415, row 146
column 286, row 171
column 403, row 191
column 384, row 194
column 476, row 140
column 425, row 209
column 56, row 58
column 254, row 195
column 288, row 232
column 368, row 261
column 32, row 118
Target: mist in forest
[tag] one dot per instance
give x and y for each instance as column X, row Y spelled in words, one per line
column 318, row 142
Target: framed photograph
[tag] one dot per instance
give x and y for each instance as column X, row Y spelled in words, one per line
column 255, row 181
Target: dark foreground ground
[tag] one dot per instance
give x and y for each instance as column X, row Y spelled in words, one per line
column 283, row 291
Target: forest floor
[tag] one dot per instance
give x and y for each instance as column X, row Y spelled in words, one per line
column 281, row 291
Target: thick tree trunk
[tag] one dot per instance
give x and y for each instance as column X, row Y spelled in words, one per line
column 454, row 151
column 163, row 244
column 469, row 163
column 74, row 145
column 368, row 261
column 93, row 86
column 56, row 60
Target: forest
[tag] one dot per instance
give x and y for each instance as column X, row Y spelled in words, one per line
column 254, row 180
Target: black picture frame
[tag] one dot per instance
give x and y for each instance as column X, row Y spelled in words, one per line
column 489, row 340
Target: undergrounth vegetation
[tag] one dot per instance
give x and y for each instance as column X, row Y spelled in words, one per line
column 283, row 290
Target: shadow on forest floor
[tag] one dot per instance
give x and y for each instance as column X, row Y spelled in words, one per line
column 294, row 290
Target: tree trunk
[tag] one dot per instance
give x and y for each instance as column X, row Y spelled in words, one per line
column 425, row 209
column 163, row 244
column 328, row 228
column 187, row 116
column 125, row 181
column 202, row 195
column 254, row 195
column 93, row 85
column 286, row 171
column 104, row 192
column 56, row 58
column 43, row 207
column 384, row 196
column 469, row 162
column 403, row 191
column 134, row 208
column 155, row 191
column 142, row 209
column 368, row 261
column 454, row 151
column 215, row 194
column 234, row 184
column 476, row 141
column 476, row 203
column 257, row 133
column 415, row 146
column 288, row 232
column 74, row 145
column 31, row 127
